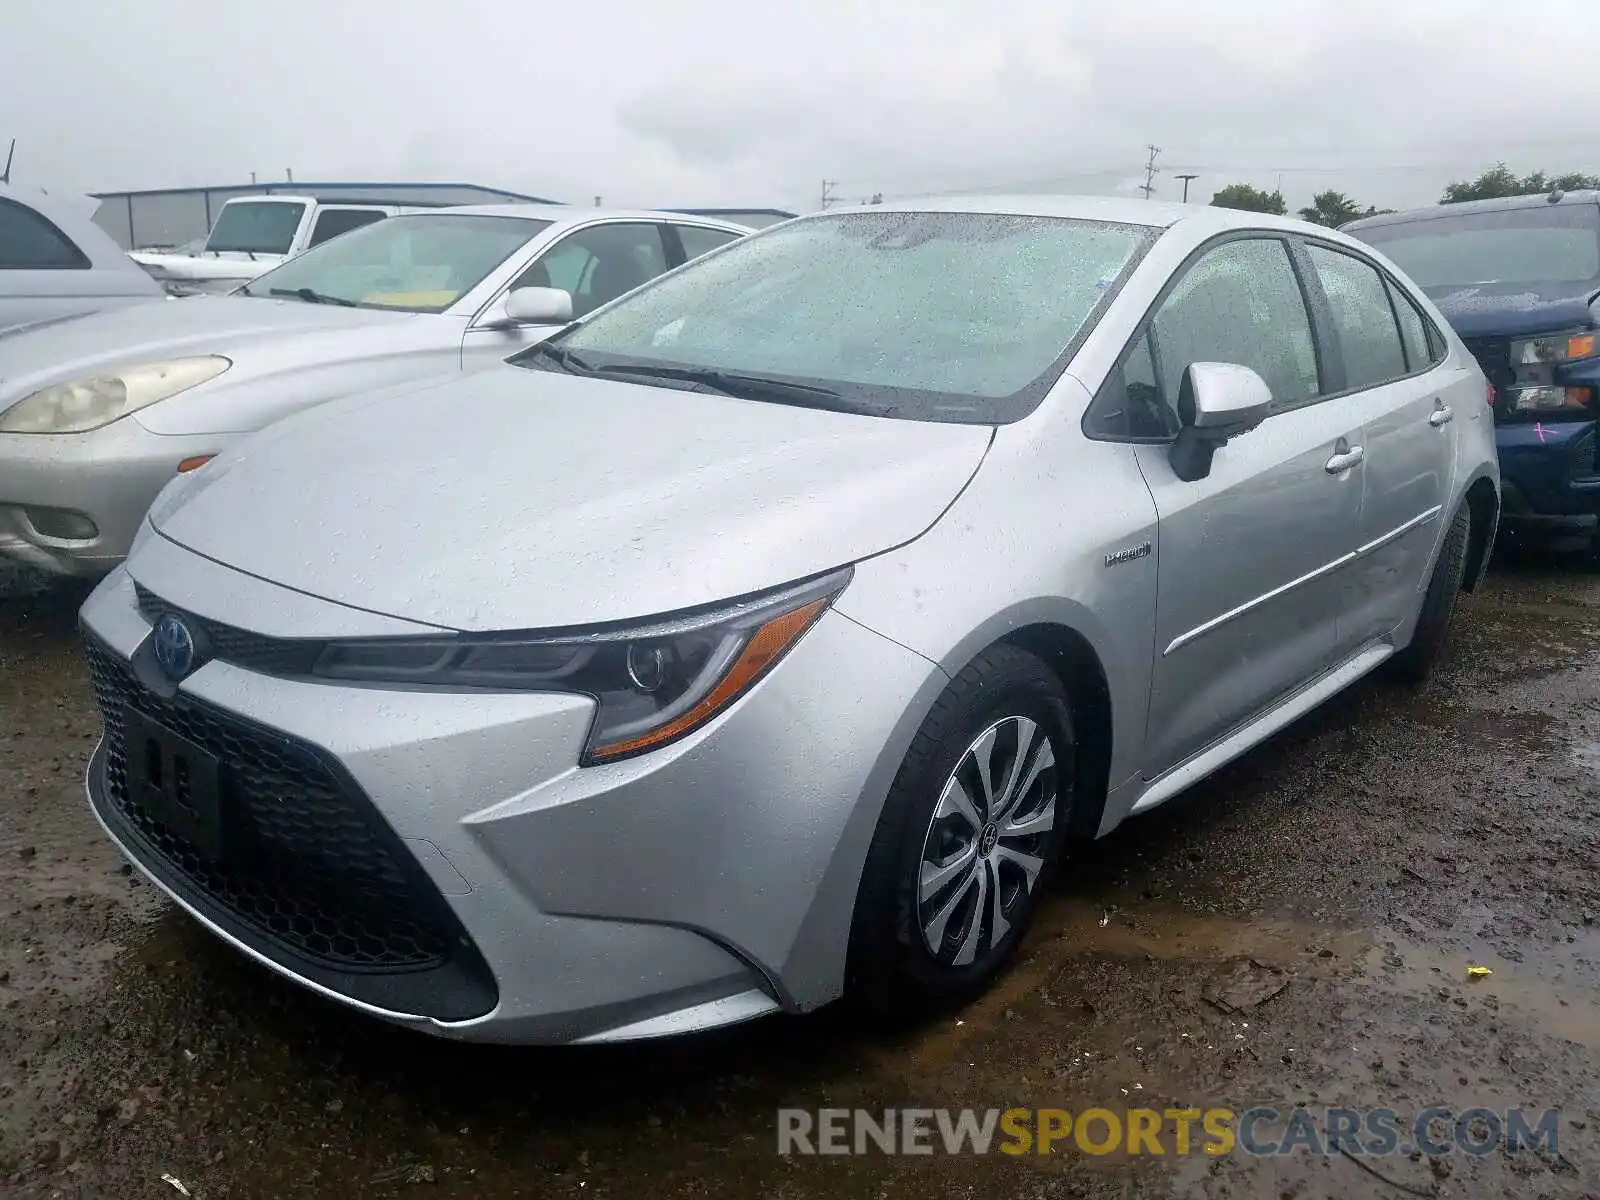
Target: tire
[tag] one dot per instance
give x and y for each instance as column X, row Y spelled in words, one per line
column 1416, row 662
column 893, row 967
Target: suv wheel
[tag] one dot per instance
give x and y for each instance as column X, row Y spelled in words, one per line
column 969, row 836
column 1417, row 660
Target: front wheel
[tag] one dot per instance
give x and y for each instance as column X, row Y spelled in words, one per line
column 970, row 834
column 1416, row 662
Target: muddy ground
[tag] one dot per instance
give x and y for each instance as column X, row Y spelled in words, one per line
column 1364, row 859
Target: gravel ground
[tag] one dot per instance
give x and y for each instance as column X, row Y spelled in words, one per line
column 1362, row 860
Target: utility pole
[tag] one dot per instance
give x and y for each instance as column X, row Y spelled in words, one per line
column 1186, row 179
column 288, row 173
column 252, row 178
column 827, row 191
column 598, row 201
column 5, row 176
column 1150, row 169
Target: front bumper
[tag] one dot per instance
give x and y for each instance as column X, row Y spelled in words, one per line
column 706, row 883
column 50, row 484
column 1550, row 476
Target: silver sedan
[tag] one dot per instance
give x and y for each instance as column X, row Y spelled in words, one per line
column 771, row 632
column 97, row 414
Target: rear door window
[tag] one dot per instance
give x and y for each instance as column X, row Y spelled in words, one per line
column 29, row 242
column 697, row 239
column 1369, row 337
column 1413, row 330
column 331, row 222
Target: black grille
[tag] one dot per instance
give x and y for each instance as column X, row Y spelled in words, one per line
column 311, row 876
column 229, row 644
column 1494, row 356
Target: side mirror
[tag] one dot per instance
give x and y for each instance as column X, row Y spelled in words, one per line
column 1216, row 402
column 538, row 306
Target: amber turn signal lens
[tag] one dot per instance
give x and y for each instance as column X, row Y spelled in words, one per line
column 763, row 649
column 1581, row 345
column 194, row 464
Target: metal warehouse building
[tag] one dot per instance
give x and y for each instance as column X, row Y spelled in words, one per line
column 172, row 216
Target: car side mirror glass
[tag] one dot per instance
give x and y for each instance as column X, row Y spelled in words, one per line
column 1216, row 402
column 538, row 306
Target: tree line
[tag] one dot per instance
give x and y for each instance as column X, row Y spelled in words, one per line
column 1333, row 208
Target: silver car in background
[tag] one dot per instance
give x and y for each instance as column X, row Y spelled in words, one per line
column 56, row 262
column 98, row 414
column 769, row 633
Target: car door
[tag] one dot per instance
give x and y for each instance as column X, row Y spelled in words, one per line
column 1249, row 556
column 595, row 264
column 1390, row 382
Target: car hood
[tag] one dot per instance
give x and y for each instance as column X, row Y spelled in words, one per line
column 1514, row 310
column 518, row 499
column 55, row 352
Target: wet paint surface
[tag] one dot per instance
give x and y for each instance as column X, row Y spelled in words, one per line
column 1363, row 860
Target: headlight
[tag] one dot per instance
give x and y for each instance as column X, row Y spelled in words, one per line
column 86, row 404
column 653, row 683
column 1555, row 348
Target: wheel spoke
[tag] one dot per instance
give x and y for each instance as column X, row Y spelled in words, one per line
column 982, row 753
column 933, row 931
column 1029, row 746
column 956, row 802
column 969, row 944
column 1042, row 821
column 936, row 877
column 1028, row 864
column 998, row 926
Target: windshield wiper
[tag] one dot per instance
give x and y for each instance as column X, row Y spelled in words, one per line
column 565, row 359
column 745, row 387
column 311, row 297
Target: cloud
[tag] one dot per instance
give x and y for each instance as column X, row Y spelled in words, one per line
column 646, row 101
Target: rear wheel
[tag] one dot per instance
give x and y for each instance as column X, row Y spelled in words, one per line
column 1416, row 662
column 969, row 836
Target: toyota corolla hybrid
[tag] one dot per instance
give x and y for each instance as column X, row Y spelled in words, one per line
column 770, row 632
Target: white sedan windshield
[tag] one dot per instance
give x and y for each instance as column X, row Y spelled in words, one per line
column 420, row 263
column 944, row 316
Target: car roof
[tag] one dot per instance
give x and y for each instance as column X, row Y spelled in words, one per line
column 1155, row 214
column 1434, row 212
column 572, row 215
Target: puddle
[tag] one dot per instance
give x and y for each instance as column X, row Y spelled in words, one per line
column 1523, row 992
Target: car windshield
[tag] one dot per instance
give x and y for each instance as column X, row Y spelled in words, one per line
column 423, row 262
column 1551, row 243
column 965, row 317
column 256, row 227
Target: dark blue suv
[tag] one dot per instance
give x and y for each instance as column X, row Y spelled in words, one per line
column 1519, row 279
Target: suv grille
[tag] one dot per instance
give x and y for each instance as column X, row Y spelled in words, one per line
column 311, row 876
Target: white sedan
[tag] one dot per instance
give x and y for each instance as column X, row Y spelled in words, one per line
column 97, row 414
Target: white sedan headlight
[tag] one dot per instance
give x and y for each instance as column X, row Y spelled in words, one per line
column 86, row 404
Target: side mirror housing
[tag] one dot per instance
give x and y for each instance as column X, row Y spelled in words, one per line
column 538, row 306
column 1216, row 402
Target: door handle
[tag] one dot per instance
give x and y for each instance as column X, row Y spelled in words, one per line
column 1344, row 457
column 1441, row 415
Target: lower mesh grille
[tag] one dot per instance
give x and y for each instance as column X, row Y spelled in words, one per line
column 310, row 875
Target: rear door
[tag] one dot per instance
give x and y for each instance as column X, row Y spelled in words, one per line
column 1249, row 557
column 1389, row 379
column 331, row 221
column 691, row 241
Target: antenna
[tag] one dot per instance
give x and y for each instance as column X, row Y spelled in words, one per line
column 5, row 176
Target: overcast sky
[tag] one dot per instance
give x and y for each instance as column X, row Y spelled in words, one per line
column 648, row 102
